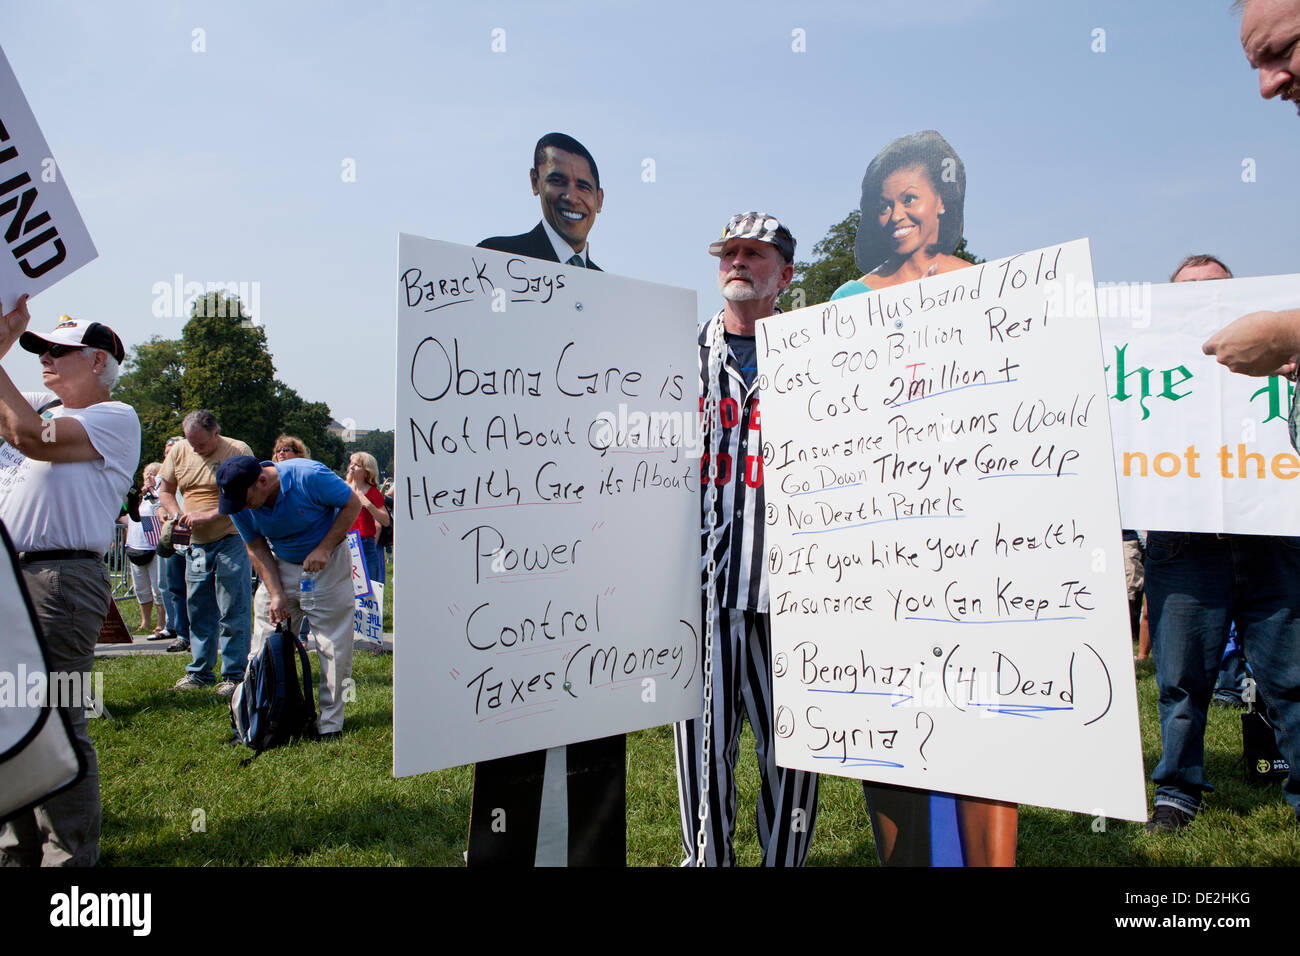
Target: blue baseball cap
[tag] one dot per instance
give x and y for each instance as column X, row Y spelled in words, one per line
column 234, row 477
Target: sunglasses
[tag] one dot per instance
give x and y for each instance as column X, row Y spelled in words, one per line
column 58, row 351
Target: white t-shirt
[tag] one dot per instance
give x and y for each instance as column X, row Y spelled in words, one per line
column 71, row 505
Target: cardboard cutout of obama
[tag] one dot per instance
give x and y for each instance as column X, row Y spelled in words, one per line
column 565, row 805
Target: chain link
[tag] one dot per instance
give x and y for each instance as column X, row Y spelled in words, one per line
column 711, row 427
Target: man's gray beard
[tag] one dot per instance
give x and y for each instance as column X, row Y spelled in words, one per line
column 745, row 292
column 740, row 293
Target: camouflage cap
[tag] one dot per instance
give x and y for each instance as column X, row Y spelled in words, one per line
column 756, row 225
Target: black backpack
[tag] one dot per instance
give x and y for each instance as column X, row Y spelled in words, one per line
column 273, row 705
column 385, row 539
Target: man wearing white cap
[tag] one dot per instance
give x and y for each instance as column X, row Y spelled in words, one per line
column 65, row 467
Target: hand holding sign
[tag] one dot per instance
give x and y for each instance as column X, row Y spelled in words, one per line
column 1261, row 343
column 15, row 324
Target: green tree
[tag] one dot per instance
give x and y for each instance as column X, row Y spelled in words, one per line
column 834, row 264
column 229, row 371
column 151, row 384
column 310, row 422
column 220, row 363
column 961, row 252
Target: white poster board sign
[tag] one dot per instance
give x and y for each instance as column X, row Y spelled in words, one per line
column 38, row 753
column 360, row 573
column 947, row 593
column 549, row 549
column 368, row 616
column 44, row 239
column 1198, row 448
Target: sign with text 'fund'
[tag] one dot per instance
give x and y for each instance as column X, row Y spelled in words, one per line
column 44, row 238
column 547, row 497
column 947, row 593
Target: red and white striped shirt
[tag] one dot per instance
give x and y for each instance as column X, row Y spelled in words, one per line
column 740, row 555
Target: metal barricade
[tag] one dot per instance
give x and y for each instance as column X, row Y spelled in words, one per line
column 119, row 568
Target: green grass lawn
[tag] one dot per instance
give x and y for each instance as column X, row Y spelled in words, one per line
column 174, row 793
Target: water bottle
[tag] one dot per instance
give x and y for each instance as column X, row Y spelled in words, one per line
column 307, row 590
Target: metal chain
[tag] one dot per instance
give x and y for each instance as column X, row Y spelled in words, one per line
column 711, row 426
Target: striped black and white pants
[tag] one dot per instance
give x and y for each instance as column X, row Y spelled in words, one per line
column 787, row 800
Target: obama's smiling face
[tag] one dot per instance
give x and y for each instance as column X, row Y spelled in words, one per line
column 570, row 196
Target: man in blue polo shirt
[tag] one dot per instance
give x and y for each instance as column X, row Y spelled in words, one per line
column 293, row 517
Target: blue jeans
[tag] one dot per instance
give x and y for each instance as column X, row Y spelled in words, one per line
column 71, row 599
column 218, row 579
column 371, row 553
column 172, row 580
column 1232, row 673
column 1197, row 584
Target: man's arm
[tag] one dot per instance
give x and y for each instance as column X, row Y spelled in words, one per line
column 320, row 555
column 191, row 519
column 259, row 552
column 195, row 519
column 167, row 497
column 378, row 512
column 1261, row 343
column 56, row 440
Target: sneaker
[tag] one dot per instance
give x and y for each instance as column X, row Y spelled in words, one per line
column 1168, row 819
column 166, row 634
column 226, row 688
column 178, row 645
column 189, row 682
column 330, row 735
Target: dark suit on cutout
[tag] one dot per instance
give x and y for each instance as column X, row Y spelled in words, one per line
column 597, row 769
column 535, row 245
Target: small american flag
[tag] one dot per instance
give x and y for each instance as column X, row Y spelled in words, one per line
column 150, row 525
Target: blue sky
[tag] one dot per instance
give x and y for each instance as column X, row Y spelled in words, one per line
column 226, row 164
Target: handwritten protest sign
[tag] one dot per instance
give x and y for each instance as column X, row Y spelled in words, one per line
column 368, row 616
column 44, row 238
column 38, row 753
column 1198, row 448
column 360, row 573
column 548, row 486
column 947, row 595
